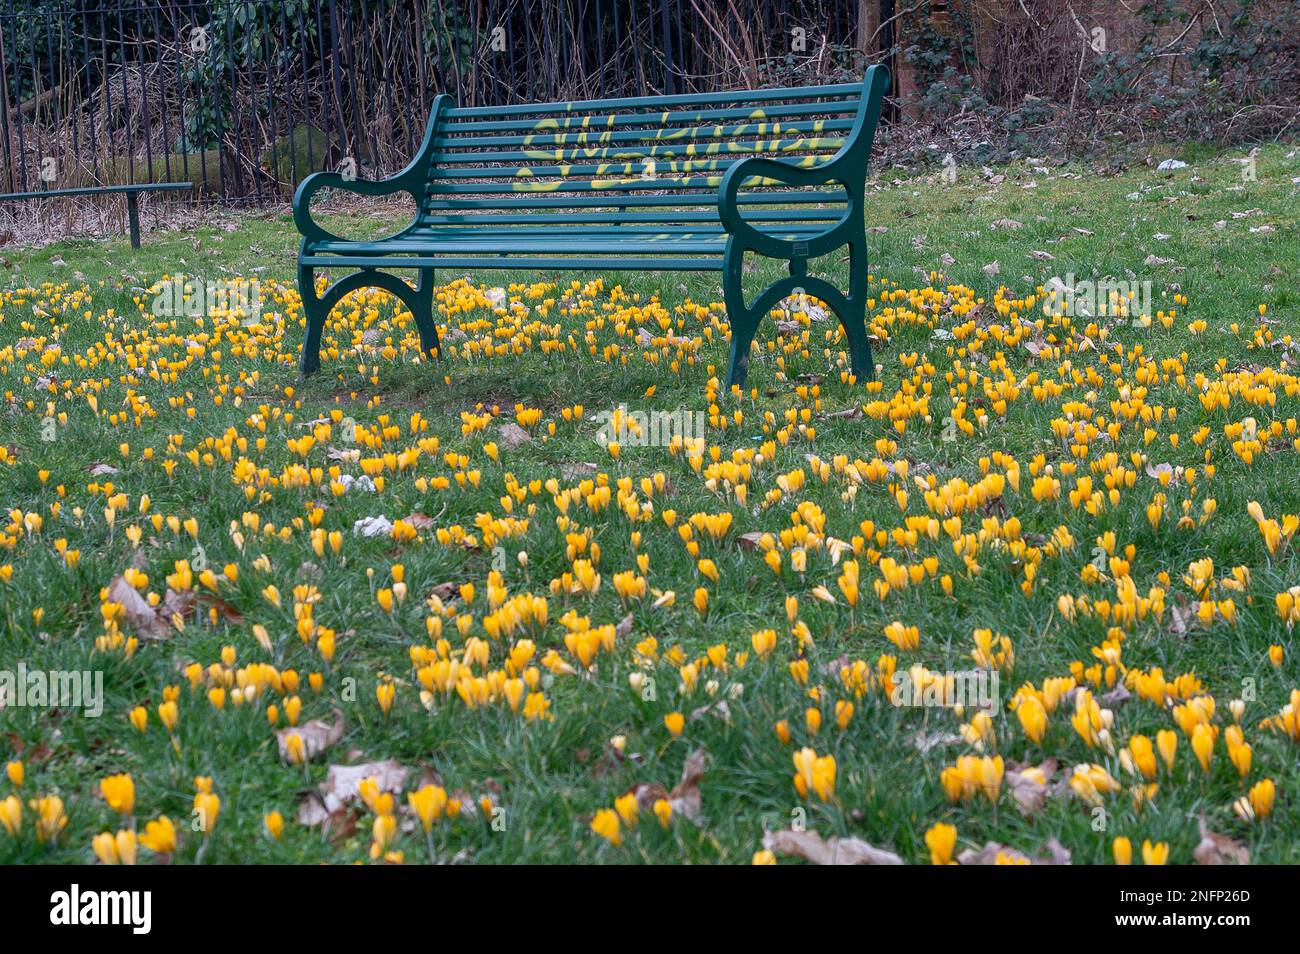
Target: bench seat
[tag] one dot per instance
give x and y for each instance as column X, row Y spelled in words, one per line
column 613, row 247
column 668, row 183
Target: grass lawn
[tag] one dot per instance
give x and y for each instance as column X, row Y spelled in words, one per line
column 659, row 651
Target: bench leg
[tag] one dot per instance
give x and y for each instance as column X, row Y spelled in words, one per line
column 853, row 314
column 419, row 301
column 744, row 324
column 423, row 312
column 854, row 322
column 315, row 315
column 851, row 309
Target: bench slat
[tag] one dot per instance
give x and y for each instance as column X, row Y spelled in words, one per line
column 613, row 185
column 687, row 151
column 516, row 244
column 669, row 119
column 594, row 218
column 620, row 262
column 682, row 99
column 449, row 202
column 475, row 230
column 580, row 138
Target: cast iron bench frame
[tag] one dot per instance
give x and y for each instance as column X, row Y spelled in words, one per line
column 458, row 225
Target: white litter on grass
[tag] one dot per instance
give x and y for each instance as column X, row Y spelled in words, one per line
column 373, row 526
column 1171, row 164
column 358, row 483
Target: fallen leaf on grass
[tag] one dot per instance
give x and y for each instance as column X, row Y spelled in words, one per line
column 925, row 742
column 1030, row 785
column 1116, row 697
column 447, row 591
column 810, row 846
column 339, row 792
column 718, row 708
column 512, row 435
column 317, row 736
column 992, row 852
column 142, row 617
column 1216, row 849
column 1179, row 618
column 685, row 796
column 420, row 521
column 573, row 470
column 848, row 414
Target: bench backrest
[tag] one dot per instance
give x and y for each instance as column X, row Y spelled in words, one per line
column 649, row 164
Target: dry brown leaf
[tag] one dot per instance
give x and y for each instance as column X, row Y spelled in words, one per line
column 1029, row 793
column 1179, row 619
column 512, row 435
column 685, row 796
column 848, row 414
column 750, row 540
column 1216, row 849
column 317, row 736
column 718, row 708
column 334, row 806
column 446, row 591
column 810, row 846
column 624, row 626
column 141, row 617
column 342, row 783
column 924, row 743
column 1116, row 697
column 574, row 470
column 988, row 855
column 420, row 521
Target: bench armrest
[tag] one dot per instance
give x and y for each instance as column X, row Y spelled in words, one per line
column 411, row 180
column 782, row 172
column 848, row 168
column 333, row 180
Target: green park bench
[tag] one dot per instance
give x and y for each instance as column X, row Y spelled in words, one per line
column 132, row 193
column 648, row 183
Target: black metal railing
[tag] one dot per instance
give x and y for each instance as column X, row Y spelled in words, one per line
column 244, row 97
